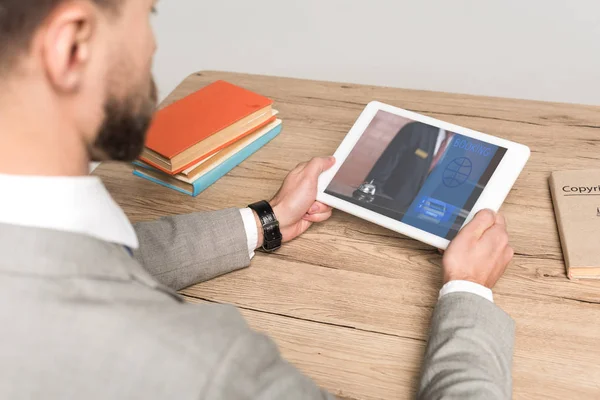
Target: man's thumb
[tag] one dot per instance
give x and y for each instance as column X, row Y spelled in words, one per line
column 318, row 165
column 483, row 221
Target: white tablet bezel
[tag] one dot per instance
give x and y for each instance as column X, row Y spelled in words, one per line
column 492, row 196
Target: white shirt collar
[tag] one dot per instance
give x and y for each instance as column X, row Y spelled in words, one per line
column 440, row 139
column 72, row 204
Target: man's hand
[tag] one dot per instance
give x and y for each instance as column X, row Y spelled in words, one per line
column 480, row 253
column 295, row 204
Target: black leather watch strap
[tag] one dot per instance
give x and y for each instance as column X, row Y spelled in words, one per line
column 271, row 233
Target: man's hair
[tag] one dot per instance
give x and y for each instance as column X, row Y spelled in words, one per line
column 19, row 19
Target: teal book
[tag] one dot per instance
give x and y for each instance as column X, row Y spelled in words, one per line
column 199, row 185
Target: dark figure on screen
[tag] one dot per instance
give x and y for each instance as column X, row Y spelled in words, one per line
column 400, row 172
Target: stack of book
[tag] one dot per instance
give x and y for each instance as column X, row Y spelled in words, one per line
column 195, row 141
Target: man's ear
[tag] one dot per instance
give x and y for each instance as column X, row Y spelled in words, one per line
column 66, row 44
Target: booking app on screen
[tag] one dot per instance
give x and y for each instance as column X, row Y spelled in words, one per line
column 452, row 188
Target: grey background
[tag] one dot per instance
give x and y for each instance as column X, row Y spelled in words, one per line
column 534, row 49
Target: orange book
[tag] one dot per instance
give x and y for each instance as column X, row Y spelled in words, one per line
column 203, row 123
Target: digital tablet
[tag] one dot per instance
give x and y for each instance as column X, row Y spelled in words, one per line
column 419, row 176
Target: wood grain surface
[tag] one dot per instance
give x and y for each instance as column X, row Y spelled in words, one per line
column 349, row 302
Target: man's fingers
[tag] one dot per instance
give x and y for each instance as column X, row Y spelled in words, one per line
column 317, row 217
column 317, row 165
column 500, row 220
column 483, row 221
column 496, row 237
column 318, row 208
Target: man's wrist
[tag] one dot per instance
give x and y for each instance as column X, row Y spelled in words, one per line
column 265, row 219
column 464, row 286
column 457, row 276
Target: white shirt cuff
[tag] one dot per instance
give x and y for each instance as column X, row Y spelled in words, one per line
column 468, row 287
column 251, row 230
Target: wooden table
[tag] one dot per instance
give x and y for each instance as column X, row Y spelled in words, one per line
column 349, row 302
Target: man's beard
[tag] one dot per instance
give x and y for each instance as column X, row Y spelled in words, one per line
column 123, row 132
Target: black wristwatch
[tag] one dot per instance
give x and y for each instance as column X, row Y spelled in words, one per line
column 271, row 233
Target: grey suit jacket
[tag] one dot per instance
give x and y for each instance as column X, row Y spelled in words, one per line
column 82, row 319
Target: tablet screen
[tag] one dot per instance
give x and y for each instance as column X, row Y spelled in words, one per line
column 416, row 173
